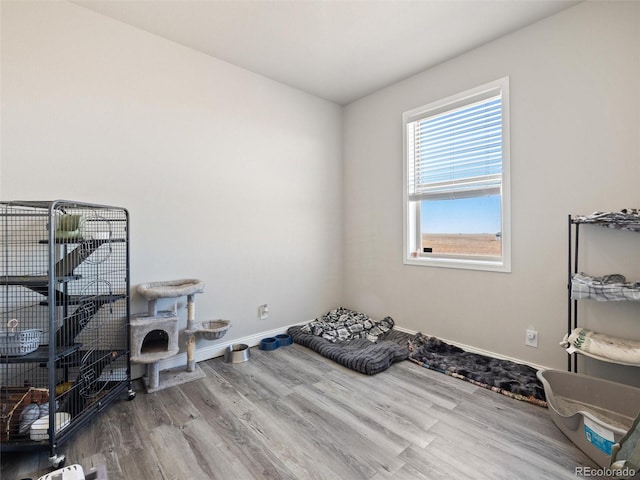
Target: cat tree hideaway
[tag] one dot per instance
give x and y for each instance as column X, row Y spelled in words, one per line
column 155, row 337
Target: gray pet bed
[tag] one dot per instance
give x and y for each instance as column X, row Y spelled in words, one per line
column 358, row 354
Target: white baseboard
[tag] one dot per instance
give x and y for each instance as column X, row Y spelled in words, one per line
column 469, row 348
column 216, row 350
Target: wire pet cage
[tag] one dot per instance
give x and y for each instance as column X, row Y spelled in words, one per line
column 64, row 319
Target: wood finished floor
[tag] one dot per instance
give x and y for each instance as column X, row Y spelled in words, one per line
column 291, row 414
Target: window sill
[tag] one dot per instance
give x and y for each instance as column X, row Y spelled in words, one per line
column 460, row 263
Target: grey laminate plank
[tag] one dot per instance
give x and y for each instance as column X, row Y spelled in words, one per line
column 330, row 459
column 407, row 412
column 178, row 406
column 380, row 408
column 284, row 366
column 458, row 447
column 407, row 472
column 442, row 460
column 519, row 426
column 310, row 363
column 101, row 459
column 176, row 460
column 306, row 458
column 292, row 415
column 418, row 374
column 250, row 379
column 216, row 389
column 510, row 450
column 125, row 426
column 356, row 415
column 362, row 430
column 101, row 440
column 137, row 464
column 214, row 457
column 150, row 411
column 334, row 441
column 227, row 428
column 428, row 386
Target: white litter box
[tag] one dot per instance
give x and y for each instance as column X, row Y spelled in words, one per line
column 592, row 412
column 75, row 472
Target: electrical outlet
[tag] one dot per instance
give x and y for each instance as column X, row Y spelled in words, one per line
column 263, row 311
column 531, row 338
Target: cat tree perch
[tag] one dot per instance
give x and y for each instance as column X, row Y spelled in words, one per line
column 155, row 334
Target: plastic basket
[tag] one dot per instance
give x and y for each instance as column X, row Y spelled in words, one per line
column 22, row 342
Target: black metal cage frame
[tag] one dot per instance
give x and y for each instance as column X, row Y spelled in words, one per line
column 64, row 318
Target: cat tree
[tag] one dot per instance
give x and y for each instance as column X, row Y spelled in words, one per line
column 154, row 335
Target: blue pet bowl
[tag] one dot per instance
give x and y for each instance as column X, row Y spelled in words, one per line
column 284, row 339
column 269, row 343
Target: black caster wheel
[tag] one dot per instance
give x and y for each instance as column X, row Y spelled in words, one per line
column 131, row 395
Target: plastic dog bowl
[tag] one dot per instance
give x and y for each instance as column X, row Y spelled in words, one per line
column 236, row 353
column 270, row 343
column 284, row 339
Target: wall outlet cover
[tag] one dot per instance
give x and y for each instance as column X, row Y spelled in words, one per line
column 531, row 338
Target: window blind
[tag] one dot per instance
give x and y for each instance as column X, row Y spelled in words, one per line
column 456, row 154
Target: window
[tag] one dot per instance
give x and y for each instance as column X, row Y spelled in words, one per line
column 456, row 181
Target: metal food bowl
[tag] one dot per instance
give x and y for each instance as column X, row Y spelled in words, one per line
column 236, row 353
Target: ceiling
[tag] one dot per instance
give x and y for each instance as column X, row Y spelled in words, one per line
column 339, row 50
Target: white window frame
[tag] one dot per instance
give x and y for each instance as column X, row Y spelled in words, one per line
column 411, row 218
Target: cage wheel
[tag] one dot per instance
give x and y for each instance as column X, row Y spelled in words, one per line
column 57, row 461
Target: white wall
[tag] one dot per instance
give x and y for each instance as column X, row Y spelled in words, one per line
column 229, row 177
column 575, row 129
column 238, row 180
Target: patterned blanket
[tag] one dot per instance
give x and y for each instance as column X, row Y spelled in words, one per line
column 354, row 340
column 508, row 378
column 343, row 325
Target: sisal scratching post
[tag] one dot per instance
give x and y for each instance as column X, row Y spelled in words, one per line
column 191, row 339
